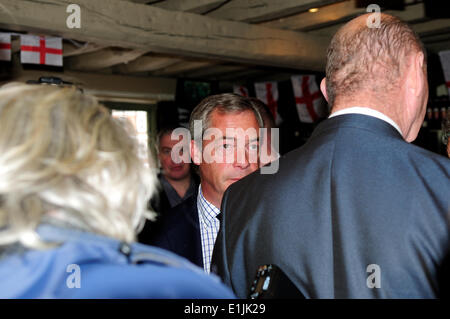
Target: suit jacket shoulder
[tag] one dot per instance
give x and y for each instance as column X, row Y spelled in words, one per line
column 356, row 194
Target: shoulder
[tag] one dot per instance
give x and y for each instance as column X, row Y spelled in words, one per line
column 186, row 209
column 152, row 272
column 96, row 267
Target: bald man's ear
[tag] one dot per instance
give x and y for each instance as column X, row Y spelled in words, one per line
column 323, row 88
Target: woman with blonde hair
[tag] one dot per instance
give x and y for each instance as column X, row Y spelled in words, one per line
column 73, row 196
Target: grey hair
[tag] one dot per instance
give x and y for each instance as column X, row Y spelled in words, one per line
column 166, row 130
column 225, row 103
column 369, row 58
column 63, row 157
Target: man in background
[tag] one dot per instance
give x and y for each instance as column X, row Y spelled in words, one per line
column 177, row 181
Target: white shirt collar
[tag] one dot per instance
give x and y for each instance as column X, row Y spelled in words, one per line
column 369, row 112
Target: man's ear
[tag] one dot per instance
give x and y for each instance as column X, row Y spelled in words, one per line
column 421, row 73
column 196, row 153
column 415, row 94
column 323, row 88
column 415, row 76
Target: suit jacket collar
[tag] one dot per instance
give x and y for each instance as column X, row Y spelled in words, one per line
column 367, row 111
column 360, row 121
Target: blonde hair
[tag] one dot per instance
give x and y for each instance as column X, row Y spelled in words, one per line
column 63, row 156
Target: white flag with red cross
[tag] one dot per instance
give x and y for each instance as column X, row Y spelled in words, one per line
column 5, row 46
column 41, row 50
column 311, row 106
column 445, row 61
column 268, row 93
column 241, row 90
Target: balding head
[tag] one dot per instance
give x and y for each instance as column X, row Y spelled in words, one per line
column 361, row 58
column 369, row 64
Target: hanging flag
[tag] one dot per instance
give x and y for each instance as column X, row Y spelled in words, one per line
column 445, row 61
column 5, row 46
column 241, row 90
column 41, row 50
column 311, row 106
column 268, row 93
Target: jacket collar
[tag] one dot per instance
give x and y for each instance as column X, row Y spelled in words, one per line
column 359, row 121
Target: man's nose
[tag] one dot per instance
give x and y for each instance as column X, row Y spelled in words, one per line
column 242, row 159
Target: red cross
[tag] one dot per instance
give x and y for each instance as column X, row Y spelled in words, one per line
column 4, row 46
column 271, row 103
column 42, row 49
column 242, row 90
column 308, row 98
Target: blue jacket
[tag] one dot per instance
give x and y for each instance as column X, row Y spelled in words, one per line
column 92, row 266
column 356, row 212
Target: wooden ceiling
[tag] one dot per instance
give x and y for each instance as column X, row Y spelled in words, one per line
column 225, row 40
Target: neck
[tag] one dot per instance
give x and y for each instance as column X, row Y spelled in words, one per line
column 211, row 195
column 388, row 109
column 180, row 185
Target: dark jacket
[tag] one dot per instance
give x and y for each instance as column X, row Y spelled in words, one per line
column 355, row 197
column 160, row 204
column 180, row 231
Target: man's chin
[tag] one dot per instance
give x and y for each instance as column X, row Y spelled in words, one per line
column 177, row 177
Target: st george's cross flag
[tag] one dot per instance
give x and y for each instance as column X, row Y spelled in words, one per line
column 311, row 106
column 241, row 90
column 445, row 61
column 268, row 93
column 5, row 46
column 41, row 50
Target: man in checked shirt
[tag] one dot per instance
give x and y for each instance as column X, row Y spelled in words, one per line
column 225, row 132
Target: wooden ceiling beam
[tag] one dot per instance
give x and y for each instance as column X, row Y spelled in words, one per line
column 147, row 64
column 263, row 10
column 215, row 71
column 183, row 67
column 101, row 59
column 193, row 6
column 338, row 13
column 70, row 49
column 144, row 27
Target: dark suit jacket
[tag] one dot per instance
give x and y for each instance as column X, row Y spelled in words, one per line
column 356, row 194
column 160, row 204
column 180, row 231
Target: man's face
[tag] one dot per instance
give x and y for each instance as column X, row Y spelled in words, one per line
column 171, row 169
column 229, row 157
